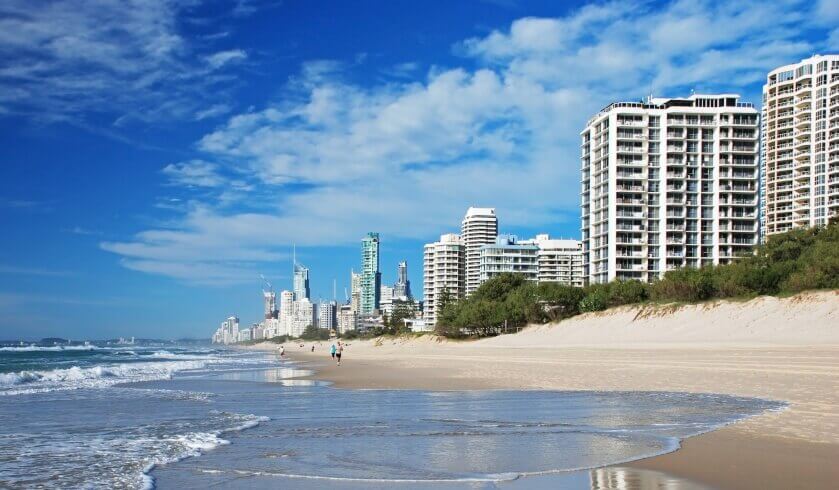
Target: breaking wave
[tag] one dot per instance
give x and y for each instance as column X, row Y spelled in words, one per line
column 91, row 377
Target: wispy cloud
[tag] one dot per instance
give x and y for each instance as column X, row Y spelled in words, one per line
column 78, row 230
column 213, row 111
column 217, row 60
column 194, row 173
column 336, row 159
column 27, row 205
column 66, row 60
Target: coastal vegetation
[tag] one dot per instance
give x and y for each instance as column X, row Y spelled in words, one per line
column 798, row 260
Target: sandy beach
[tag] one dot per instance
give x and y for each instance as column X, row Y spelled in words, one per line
column 782, row 349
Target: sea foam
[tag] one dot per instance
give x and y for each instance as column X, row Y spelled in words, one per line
column 91, row 377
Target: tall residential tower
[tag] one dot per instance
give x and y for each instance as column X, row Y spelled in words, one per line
column 479, row 227
column 668, row 183
column 371, row 278
column 444, row 273
column 800, row 145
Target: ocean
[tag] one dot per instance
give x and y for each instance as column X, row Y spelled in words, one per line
column 188, row 417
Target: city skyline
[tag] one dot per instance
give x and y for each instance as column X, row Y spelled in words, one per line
column 155, row 214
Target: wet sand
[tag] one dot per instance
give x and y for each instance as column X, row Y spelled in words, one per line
column 796, row 448
column 781, row 349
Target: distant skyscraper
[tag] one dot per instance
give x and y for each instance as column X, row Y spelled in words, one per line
column 371, row 278
column 479, row 227
column 286, row 312
column 443, row 271
column 355, row 292
column 301, row 282
column 402, row 288
column 386, row 295
column 270, row 299
column 327, row 315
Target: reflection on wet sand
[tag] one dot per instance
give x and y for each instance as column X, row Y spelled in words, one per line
column 283, row 376
column 624, row 478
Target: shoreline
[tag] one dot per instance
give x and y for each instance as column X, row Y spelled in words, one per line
column 742, row 455
column 784, row 349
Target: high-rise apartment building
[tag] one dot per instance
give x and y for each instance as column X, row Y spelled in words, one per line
column 286, row 315
column 800, row 144
column 328, row 315
column 301, row 282
column 371, row 278
column 386, row 295
column 355, row 292
column 347, row 319
column 668, row 183
column 479, row 227
column 402, row 288
column 444, row 272
column 509, row 255
column 303, row 316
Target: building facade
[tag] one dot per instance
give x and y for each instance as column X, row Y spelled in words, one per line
column 371, row 278
column 560, row 260
column 668, row 183
column 386, row 295
column 347, row 318
column 402, row 288
column 286, row 315
column 540, row 259
column 328, row 315
column 444, row 272
column 508, row 255
column 301, row 282
column 479, row 227
column 269, row 299
column 800, row 145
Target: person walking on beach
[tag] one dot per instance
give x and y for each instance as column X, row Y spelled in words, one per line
column 332, row 351
column 313, row 347
column 339, row 352
column 282, row 351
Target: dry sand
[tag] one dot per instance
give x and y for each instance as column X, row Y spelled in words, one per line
column 782, row 349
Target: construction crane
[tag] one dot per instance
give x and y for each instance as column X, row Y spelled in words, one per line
column 270, row 288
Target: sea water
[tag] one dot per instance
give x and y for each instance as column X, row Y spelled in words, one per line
column 194, row 418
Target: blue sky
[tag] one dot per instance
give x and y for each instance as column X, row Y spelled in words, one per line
column 156, row 156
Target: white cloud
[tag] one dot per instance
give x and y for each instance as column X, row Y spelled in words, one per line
column 334, row 159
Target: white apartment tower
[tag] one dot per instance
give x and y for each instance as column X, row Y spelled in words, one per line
column 443, row 270
column 800, row 144
column 479, row 227
column 668, row 183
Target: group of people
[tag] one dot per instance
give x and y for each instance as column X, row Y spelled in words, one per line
column 335, row 350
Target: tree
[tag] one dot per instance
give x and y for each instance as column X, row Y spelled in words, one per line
column 313, row 333
column 401, row 311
